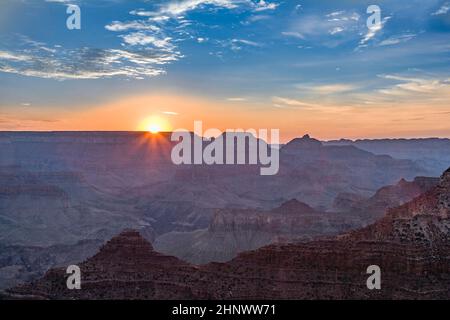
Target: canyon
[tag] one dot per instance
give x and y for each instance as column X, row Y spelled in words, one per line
column 411, row 245
column 64, row 194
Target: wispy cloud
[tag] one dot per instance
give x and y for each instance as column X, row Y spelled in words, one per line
column 336, row 30
column 85, row 63
column 293, row 102
column 290, row 103
column 178, row 8
column 263, row 6
column 11, row 56
column 342, row 26
column 238, row 44
column 294, row 34
column 143, row 39
column 442, row 10
column 414, row 86
column 397, row 39
column 118, row 26
column 237, row 99
column 170, row 113
column 328, row 88
column 146, row 44
column 62, row 1
column 372, row 32
column 432, row 91
column 167, row 24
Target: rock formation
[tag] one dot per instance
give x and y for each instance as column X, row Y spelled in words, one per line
column 410, row 244
column 232, row 231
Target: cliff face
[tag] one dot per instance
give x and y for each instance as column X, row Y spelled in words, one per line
column 414, row 264
column 126, row 267
column 232, row 231
column 371, row 209
column 425, row 219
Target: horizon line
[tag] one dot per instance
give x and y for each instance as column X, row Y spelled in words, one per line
column 169, row 132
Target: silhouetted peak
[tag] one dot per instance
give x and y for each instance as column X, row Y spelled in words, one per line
column 128, row 238
column 306, row 142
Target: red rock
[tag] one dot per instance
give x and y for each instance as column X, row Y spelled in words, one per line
column 411, row 245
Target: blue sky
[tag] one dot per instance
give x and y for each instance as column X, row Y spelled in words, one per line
column 315, row 55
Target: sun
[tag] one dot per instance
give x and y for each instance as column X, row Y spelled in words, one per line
column 154, row 128
column 154, row 125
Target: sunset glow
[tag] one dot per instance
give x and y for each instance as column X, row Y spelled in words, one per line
column 224, row 150
column 154, row 124
column 154, row 128
column 309, row 72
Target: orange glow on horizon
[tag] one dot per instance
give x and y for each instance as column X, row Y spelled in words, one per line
column 165, row 113
column 154, row 124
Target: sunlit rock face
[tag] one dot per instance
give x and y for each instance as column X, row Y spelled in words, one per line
column 425, row 219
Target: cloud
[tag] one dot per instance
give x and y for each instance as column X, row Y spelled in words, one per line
column 342, row 16
column 397, row 39
column 237, row 99
column 371, row 33
column 147, row 44
column 178, row 8
column 86, row 63
column 293, row 102
column 342, row 26
column 174, row 9
column 293, row 34
column 336, row 30
column 237, row 44
column 62, row 1
column 118, row 26
column 263, row 6
column 255, row 18
column 427, row 91
column 417, row 86
column 165, row 26
column 442, row 10
column 171, row 113
column 328, row 89
column 13, row 56
column 246, row 42
column 289, row 103
column 143, row 39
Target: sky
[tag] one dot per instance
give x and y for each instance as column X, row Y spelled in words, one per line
column 308, row 66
